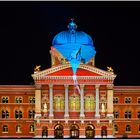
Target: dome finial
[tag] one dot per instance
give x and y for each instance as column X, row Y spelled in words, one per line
column 72, row 26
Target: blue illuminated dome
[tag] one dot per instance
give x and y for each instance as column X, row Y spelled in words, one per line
column 75, row 46
column 72, row 36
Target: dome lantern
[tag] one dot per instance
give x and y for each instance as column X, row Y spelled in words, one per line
column 72, row 26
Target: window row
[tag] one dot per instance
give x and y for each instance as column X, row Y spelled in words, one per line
column 18, row 114
column 127, row 128
column 18, row 128
column 127, row 100
column 5, row 99
column 127, row 114
column 74, row 103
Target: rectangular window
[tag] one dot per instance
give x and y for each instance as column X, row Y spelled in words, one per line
column 127, row 114
column 116, row 114
column 139, row 114
column 116, row 128
column 128, row 128
column 5, row 114
column 139, row 128
column 18, row 114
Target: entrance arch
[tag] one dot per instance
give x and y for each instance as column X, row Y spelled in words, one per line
column 58, row 131
column 74, row 131
column 104, row 131
column 44, row 131
column 90, row 131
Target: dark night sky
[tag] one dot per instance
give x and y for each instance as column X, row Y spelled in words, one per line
column 27, row 30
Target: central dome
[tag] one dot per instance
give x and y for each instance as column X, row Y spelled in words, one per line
column 71, row 42
column 66, row 37
column 72, row 36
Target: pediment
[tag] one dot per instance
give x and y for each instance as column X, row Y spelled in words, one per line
column 66, row 71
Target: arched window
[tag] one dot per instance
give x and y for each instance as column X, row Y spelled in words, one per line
column 18, row 129
column 31, row 113
column 5, row 99
column 32, row 100
column 58, row 103
column 18, row 99
column 89, row 103
column 128, row 100
column 32, row 128
column 5, row 114
column 115, row 128
column 115, row 100
column 5, row 128
column 128, row 128
column 74, row 103
column 18, row 114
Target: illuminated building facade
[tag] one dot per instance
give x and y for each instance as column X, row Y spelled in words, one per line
column 53, row 107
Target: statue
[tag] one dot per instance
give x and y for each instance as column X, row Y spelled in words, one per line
column 37, row 68
column 45, row 107
column 109, row 69
column 103, row 108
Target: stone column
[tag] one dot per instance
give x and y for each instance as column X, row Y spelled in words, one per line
column 66, row 115
column 38, row 101
column 97, row 101
column 82, row 101
column 110, row 100
column 51, row 100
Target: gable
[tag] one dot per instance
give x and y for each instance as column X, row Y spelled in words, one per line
column 69, row 72
column 66, row 70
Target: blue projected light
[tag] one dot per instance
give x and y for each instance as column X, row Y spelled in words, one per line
column 75, row 46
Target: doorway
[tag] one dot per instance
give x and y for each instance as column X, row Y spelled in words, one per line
column 90, row 131
column 74, row 131
column 58, row 131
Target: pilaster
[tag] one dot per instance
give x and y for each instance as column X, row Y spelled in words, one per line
column 97, row 115
column 82, row 101
column 66, row 115
column 110, row 100
column 51, row 100
column 38, row 101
